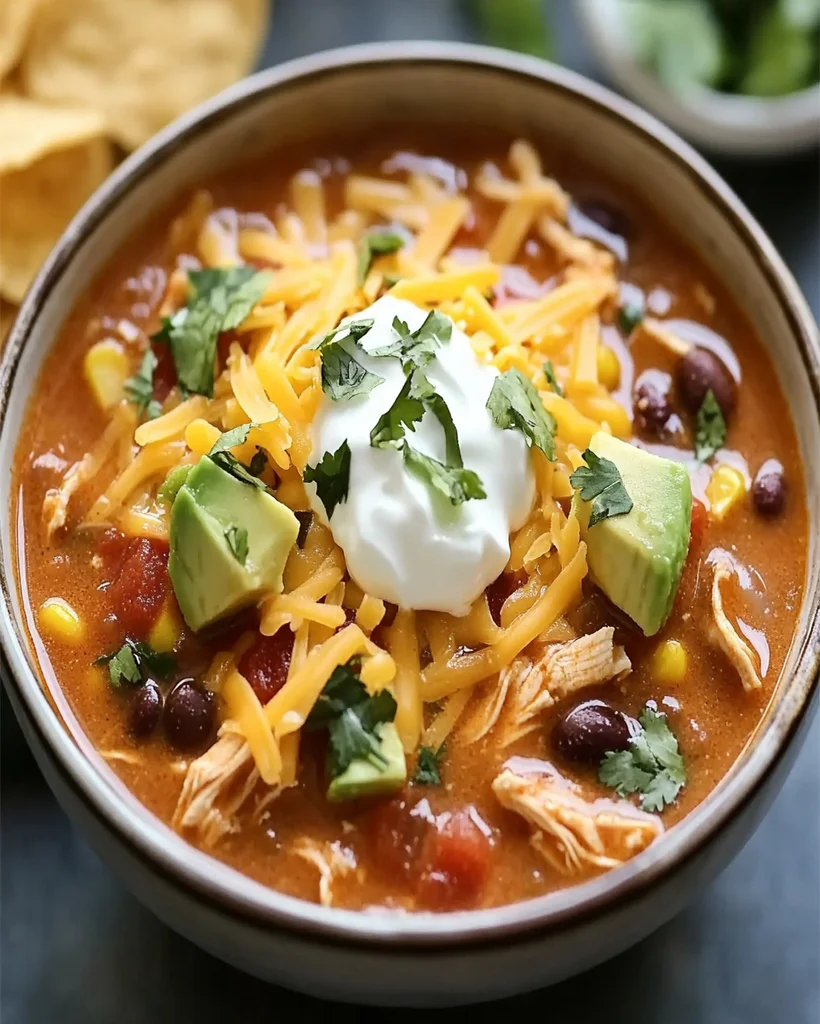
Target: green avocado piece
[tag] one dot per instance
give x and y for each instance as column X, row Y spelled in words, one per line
column 637, row 558
column 363, row 778
column 210, row 581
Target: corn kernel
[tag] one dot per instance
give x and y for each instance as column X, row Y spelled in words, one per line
column 106, row 369
column 669, row 663
column 96, row 679
column 726, row 488
column 59, row 621
column 201, row 436
column 609, row 367
column 166, row 631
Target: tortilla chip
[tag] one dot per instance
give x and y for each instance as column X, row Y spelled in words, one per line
column 51, row 160
column 15, row 21
column 143, row 62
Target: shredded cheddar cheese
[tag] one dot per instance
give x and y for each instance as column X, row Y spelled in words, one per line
column 271, row 378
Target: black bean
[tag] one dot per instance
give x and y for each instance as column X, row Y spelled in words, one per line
column 190, row 716
column 589, row 730
column 145, row 710
column 651, row 400
column 769, row 490
column 700, row 371
column 606, row 216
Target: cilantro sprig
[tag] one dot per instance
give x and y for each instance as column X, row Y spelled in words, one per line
column 515, row 404
column 356, row 330
column 331, row 476
column 219, row 300
column 343, row 376
column 352, row 718
column 417, row 348
column 448, row 478
column 379, row 242
column 428, row 767
column 710, row 428
column 139, row 389
column 134, row 661
column 221, row 455
column 652, row 766
column 600, row 482
column 237, row 538
column 552, row 380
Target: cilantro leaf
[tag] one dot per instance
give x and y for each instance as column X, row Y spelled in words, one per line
column 305, row 521
column 652, row 766
column 343, row 376
column 356, row 330
column 600, row 482
column 552, row 380
column 406, row 411
column 343, row 689
column 221, row 455
column 454, row 482
column 232, row 465
column 422, row 389
column 417, row 347
column 428, row 772
column 352, row 718
column 132, row 662
column 139, row 389
column 710, row 428
column 514, row 404
column 630, row 315
column 259, row 462
column 237, row 538
column 170, row 487
column 620, row 771
column 331, row 476
column 375, row 243
column 220, row 299
column 232, row 438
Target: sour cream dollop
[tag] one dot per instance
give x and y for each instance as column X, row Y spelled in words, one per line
column 402, row 542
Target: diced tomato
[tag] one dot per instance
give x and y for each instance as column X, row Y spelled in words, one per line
column 397, row 835
column 223, row 345
column 165, row 374
column 265, row 664
column 140, row 587
column 700, row 519
column 111, row 547
column 454, row 864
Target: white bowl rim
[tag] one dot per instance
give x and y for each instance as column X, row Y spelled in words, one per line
column 205, row 878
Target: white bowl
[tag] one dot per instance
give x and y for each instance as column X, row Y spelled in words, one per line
column 415, row 958
column 720, row 122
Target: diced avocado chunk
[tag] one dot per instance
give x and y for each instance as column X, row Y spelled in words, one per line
column 637, row 558
column 210, row 581
column 364, row 778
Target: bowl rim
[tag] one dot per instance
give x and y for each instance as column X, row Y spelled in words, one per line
column 225, row 889
column 727, row 123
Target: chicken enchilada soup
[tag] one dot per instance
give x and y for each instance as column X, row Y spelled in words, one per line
column 412, row 526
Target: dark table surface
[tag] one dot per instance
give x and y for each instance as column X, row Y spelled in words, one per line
column 78, row 949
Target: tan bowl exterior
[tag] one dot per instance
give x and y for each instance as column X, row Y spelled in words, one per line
column 419, row 959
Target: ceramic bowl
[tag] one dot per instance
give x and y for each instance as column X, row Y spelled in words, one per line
column 424, row 958
column 751, row 126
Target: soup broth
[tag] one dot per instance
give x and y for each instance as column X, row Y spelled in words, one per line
column 542, row 769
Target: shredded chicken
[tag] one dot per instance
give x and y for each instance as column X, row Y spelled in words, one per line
column 126, row 756
column 526, row 688
column 216, row 786
column 331, row 860
column 56, row 501
column 570, row 832
column 734, row 646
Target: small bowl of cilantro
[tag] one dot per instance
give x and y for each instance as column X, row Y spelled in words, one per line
column 740, row 77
